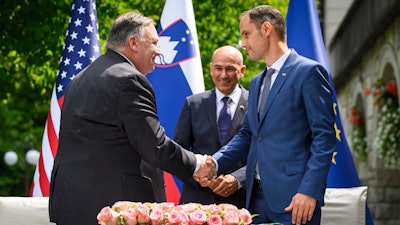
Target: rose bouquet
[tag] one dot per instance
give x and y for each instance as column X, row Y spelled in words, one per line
column 132, row 213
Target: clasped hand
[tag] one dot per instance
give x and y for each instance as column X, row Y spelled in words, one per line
column 206, row 171
column 224, row 185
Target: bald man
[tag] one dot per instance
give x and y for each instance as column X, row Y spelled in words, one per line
column 200, row 129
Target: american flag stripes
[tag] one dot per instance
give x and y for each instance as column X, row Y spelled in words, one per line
column 81, row 47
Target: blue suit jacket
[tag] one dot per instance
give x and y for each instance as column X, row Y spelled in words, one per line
column 293, row 139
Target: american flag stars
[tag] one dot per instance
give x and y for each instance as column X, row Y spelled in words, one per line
column 81, row 47
column 81, row 44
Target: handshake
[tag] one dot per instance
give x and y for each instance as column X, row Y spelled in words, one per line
column 206, row 171
column 224, row 185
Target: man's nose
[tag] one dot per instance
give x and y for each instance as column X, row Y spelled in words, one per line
column 243, row 44
column 158, row 51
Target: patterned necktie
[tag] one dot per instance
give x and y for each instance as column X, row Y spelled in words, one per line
column 224, row 120
column 267, row 85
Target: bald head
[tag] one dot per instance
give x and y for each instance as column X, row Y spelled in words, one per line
column 227, row 68
column 230, row 51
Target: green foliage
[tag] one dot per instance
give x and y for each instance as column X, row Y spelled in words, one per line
column 31, row 41
column 30, row 46
column 386, row 98
column 217, row 24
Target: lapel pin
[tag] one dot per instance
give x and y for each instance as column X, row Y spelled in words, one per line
column 284, row 74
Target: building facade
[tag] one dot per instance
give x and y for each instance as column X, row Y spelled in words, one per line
column 362, row 39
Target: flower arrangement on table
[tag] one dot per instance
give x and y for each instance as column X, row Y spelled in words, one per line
column 386, row 99
column 132, row 213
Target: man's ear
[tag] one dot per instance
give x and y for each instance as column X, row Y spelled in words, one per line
column 133, row 42
column 266, row 28
column 243, row 69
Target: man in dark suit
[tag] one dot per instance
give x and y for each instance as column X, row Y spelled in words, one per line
column 288, row 133
column 109, row 124
column 197, row 128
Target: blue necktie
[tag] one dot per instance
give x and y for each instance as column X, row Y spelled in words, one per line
column 263, row 100
column 224, row 120
column 265, row 92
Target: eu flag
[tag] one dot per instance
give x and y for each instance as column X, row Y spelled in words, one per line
column 178, row 72
column 304, row 35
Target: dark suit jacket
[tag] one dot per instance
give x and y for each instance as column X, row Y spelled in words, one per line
column 109, row 124
column 294, row 138
column 197, row 129
column 157, row 180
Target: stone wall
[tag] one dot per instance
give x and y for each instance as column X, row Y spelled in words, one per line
column 383, row 181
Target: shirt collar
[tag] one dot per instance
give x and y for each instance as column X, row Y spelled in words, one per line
column 277, row 65
column 234, row 95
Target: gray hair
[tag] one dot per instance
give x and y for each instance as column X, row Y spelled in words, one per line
column 260, row 14
column 126, row 25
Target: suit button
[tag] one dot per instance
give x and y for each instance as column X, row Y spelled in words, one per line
column 259, row 139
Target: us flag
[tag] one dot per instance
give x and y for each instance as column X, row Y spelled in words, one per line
column 81, row 47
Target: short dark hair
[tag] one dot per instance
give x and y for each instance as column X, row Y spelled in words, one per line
column 260, row 14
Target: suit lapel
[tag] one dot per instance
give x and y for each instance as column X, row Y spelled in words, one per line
column 211, row 109
column 239, row 114
column 259, row 83
column 283, row 74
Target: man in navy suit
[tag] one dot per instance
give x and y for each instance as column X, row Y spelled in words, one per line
column 197, row 128
column 289, row 138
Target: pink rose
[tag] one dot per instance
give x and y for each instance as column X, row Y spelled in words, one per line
column 130, row 216
column 107, row 216
column 197, row 217
column 166, row 206
column 173, row 217
column 178, row 208
column 245, row 216
column 206, row 208
column 231, row 217
column 156, row 216
column 228, row 206
column 122, row 204
column 215, row 209
column 190, row 207
column 183, row 218
column 214, row 220
column 143, row 213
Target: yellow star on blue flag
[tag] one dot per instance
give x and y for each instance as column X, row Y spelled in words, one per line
column 302, row 21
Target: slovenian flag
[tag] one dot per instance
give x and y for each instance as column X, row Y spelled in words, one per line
column 178, row 72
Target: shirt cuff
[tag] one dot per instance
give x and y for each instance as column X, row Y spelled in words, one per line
column 198, row 162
